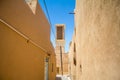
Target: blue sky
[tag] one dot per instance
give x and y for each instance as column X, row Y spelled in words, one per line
column 59, row 14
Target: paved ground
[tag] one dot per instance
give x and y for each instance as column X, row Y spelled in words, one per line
column 64, row 77
column 58, row 78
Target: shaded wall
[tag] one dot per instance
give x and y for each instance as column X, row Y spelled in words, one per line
column 98, row 39
column 18, row 59
column 24, row 58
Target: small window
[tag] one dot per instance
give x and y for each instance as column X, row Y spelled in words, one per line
column 60, row 32
column 32, row 4
column 80, row 68
column 74, row 61
column 74, row 47
column 58, row 70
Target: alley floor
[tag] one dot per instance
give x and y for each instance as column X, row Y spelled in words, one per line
column 64, row 77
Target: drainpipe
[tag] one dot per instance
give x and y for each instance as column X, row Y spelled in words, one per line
column 24, row 36
column 61, row 60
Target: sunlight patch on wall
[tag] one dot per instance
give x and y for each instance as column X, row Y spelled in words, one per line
column 32, row 4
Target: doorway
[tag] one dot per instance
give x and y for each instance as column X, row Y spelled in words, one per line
column 46, row 68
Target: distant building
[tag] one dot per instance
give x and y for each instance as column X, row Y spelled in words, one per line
column 72, row 58
column 26, row 52
column 61, row 56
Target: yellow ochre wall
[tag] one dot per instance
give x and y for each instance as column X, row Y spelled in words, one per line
column 20, row 58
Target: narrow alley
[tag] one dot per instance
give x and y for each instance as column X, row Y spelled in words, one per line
column 59, row 39
column 60, row 77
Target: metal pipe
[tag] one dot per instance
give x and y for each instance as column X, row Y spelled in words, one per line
column 23, row 35
column 61, row 60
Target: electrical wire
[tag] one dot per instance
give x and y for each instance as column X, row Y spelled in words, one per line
column 49, row 17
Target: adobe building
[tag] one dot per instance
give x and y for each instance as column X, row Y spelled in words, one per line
column 97, row 38
column 26, row 52
column 72, row 59
column 61, row 56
